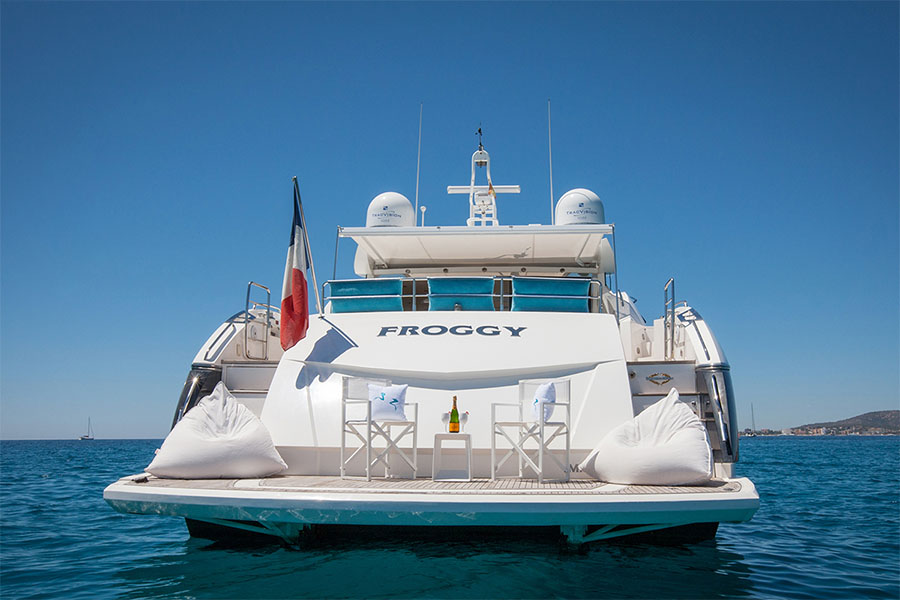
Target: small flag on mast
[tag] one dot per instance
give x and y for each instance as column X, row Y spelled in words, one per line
column 295, row 294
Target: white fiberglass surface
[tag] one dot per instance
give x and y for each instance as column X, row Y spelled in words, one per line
column 478, row 356
column 524, row 245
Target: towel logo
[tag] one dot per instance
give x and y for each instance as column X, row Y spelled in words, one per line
column 486, row 330
column 394, row 403
column 660, row 378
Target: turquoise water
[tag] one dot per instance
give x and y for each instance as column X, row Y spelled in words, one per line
column 828, row 527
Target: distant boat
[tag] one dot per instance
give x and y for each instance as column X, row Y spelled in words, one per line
column 90, row 432
column 753, row 420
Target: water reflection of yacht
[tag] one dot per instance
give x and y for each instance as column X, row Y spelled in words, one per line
column 481, row 312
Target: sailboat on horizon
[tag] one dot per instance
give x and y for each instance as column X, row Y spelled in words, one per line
column 753, row 422
column 90, row 432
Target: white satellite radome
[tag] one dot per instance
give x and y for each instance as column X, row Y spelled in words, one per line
column 580, row 207
column 390, row 209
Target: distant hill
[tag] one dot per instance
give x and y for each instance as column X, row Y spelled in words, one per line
column 883, row 419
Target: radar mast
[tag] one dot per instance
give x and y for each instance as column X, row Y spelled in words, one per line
column 482, row 198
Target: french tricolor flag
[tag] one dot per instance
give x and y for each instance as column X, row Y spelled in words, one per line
column 294, row 294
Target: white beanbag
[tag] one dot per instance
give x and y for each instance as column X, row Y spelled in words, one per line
column 664, row 445
column 217, row 439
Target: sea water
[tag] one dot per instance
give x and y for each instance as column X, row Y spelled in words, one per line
column 828, row 527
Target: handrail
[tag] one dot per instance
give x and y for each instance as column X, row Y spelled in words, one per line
column 187, row 399
column 271, row 307
column 669, row 319
column 209, row 349
column 616, row 274
column 715, row 395
column 268, row 306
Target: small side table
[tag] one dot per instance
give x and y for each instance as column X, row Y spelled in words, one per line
column 438, row 473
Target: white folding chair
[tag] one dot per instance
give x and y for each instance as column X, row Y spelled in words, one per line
column 356, row 419
column 523, row 429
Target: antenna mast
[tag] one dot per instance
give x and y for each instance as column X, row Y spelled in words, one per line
column 419, row 158
column 482, row 198
column 550, row 152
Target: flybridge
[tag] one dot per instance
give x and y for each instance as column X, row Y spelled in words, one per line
column 486, row 330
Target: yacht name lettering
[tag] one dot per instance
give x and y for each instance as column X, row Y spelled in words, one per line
column 488, row 330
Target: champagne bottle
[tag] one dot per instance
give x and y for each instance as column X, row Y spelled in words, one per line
column 454, row 418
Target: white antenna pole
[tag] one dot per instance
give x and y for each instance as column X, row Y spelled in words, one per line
column 550, row 151
column 423, row 216
column 419, row 157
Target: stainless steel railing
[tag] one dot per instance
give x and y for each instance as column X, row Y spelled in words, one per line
column 669, row 319
column 249, row 306
column 187, row 400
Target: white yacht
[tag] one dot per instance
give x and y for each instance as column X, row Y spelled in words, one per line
column 481, row 312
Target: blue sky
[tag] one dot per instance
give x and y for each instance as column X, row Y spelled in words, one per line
column 748, row 149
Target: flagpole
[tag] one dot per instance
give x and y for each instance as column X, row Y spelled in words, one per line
column 312, row 268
